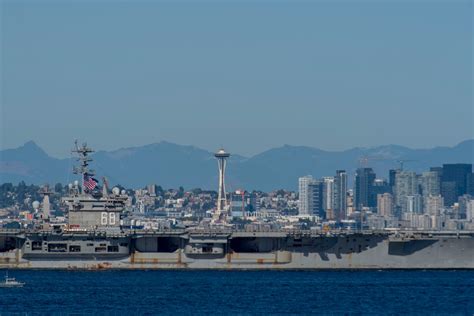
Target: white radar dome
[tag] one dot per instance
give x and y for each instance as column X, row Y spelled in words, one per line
column 70, row 186
column 123, row 192
column 36, row 205
column 76, row 183
column 116, row 191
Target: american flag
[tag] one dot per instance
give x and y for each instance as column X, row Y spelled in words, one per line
column 89, row 182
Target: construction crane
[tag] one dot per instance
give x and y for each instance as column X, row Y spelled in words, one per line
column 402, row 162
column 364, row 160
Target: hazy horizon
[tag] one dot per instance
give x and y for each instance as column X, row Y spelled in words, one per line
column 246, row 76
column 214, row 149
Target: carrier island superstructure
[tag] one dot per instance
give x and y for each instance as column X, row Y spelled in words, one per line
column 95, row 239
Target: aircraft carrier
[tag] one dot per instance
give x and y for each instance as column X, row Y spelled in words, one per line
column 95, row 239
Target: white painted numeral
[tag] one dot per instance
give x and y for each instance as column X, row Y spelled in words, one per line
column 112, row 218
column 103, row 218
column 107, row 218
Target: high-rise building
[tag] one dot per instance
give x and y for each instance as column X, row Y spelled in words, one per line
column 340, row 194
column 430, row 183
column 454, row 181
column 433, row 204
column 380, row 187
column 391, row 179
column 470, row 211
column 364, row 182
column 414, row 204
column 385, row 204
column 461, row 211
column 304, row 195
column 406, row 184
column 316, row 206
column 311, row 196
column 470, row 184
column 328, row 197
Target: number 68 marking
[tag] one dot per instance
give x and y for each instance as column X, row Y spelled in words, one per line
column 107, row 218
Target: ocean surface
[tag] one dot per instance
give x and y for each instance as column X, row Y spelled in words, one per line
column 242, row 293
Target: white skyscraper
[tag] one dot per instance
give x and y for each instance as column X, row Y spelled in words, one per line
column 328, row 196
column 304, row 195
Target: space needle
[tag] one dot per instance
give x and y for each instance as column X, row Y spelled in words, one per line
column 221, row 156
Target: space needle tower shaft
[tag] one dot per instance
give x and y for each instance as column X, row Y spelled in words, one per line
column 221, row 156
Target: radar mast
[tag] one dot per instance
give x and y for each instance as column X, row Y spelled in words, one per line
column 84, row 160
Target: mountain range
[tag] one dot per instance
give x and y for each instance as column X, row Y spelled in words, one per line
column 172, row 165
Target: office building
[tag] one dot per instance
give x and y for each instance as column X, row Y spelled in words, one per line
column 316, row 198
column 328, row 197
column 391, row 179
column 430, row 183
column 364, row 183
column 454, row 181
column 340, row 194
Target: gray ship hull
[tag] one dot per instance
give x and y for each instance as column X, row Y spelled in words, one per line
column 241, row 250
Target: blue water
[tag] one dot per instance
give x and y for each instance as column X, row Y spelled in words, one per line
column 246, row 292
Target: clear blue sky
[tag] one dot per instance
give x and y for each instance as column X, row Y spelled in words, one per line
column 248, row 76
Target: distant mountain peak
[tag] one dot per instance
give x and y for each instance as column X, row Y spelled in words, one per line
column 32, row 147
column 30, row 144
column 172, row 165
